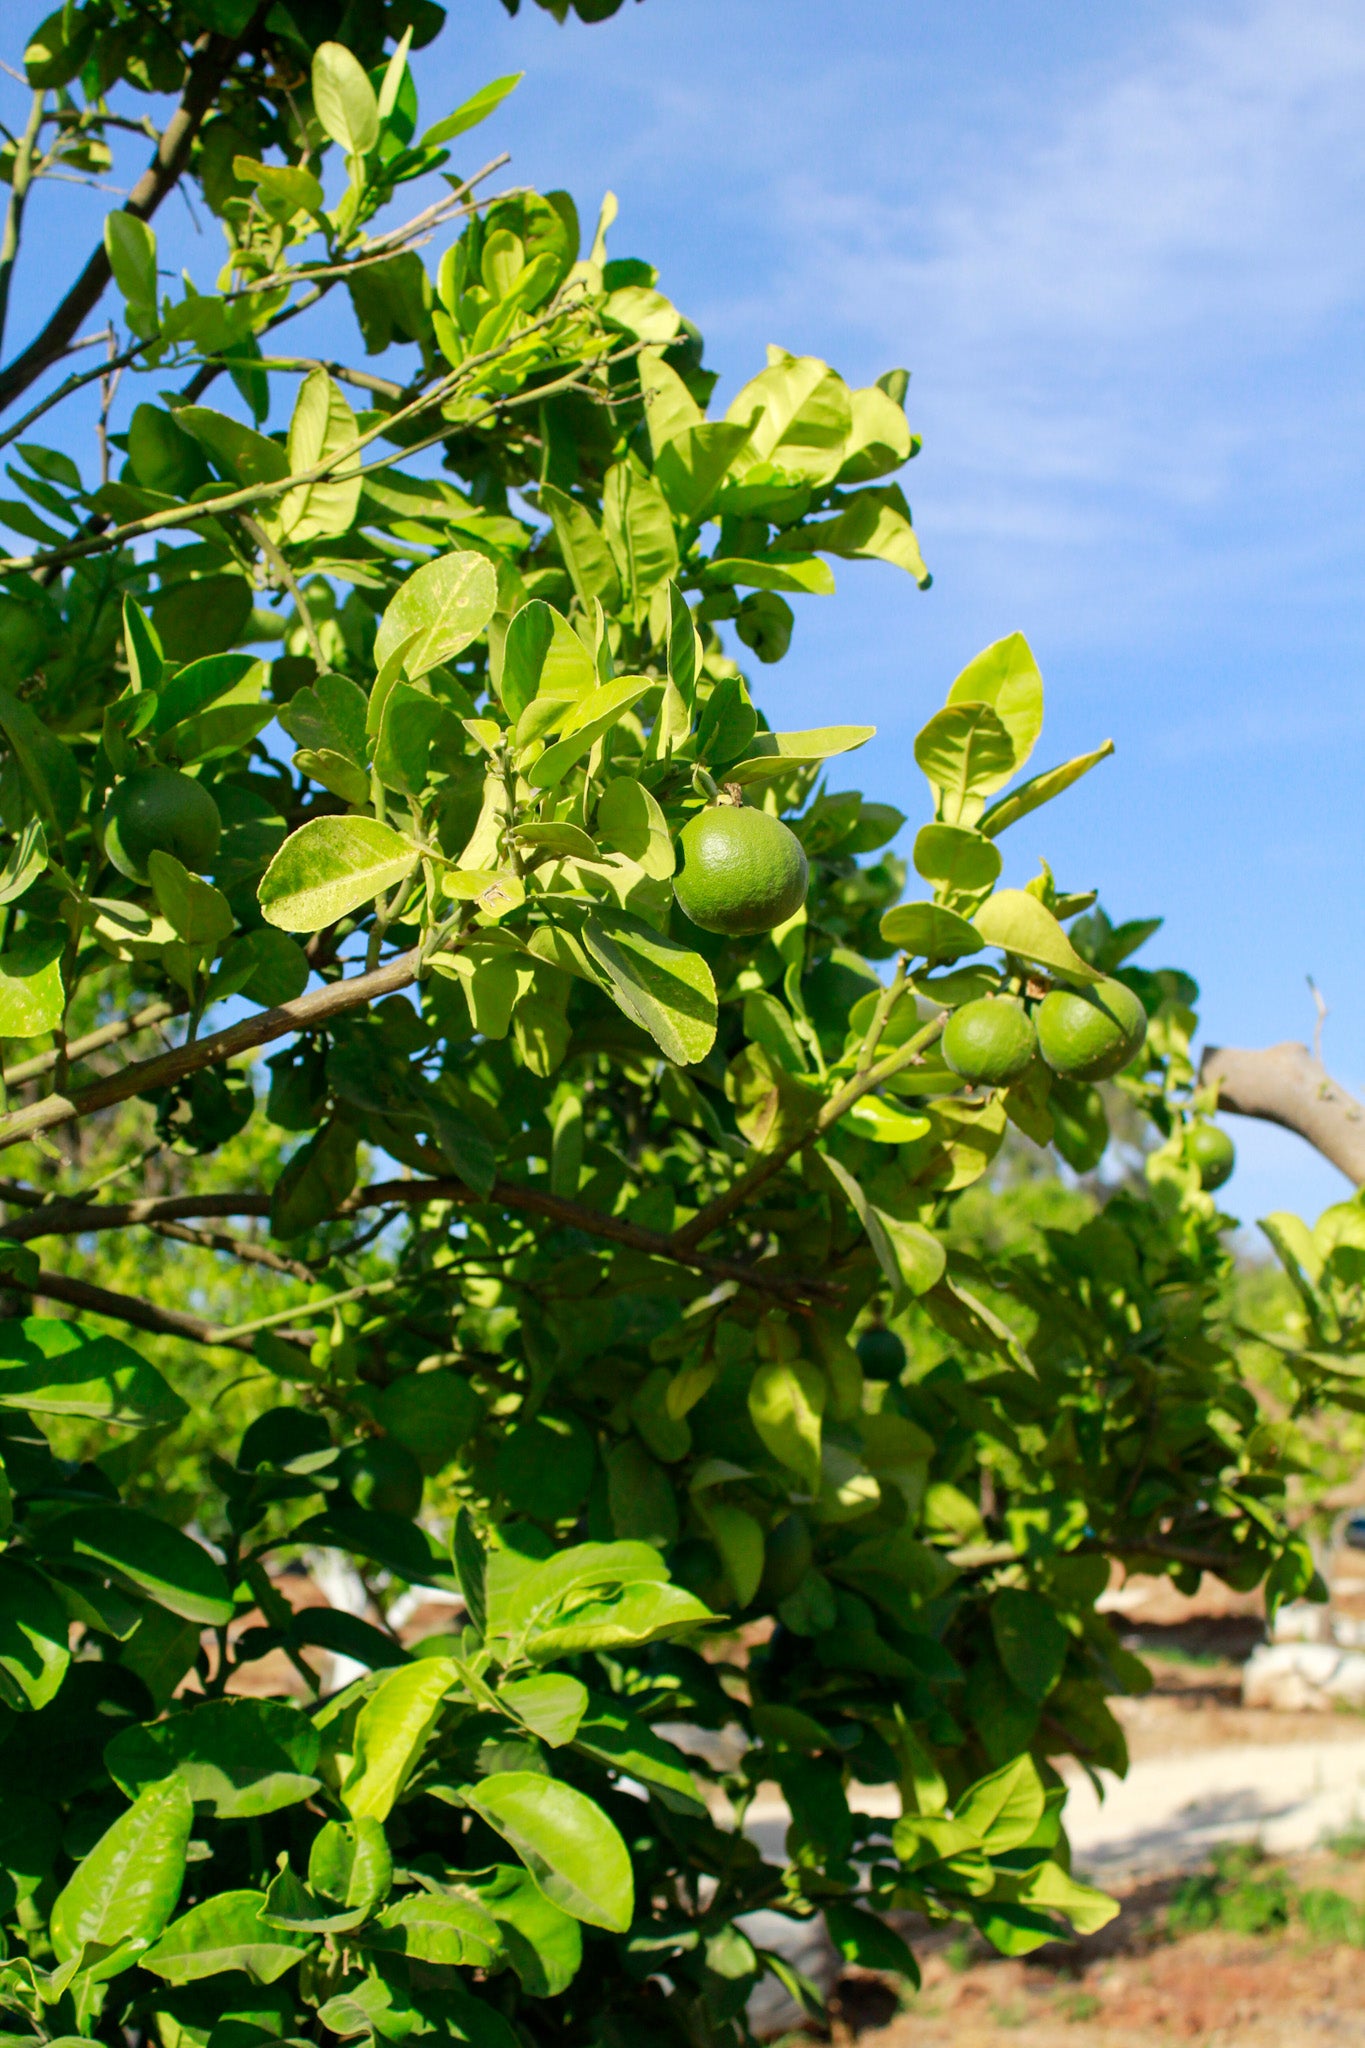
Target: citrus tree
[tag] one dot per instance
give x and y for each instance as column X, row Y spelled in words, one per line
column 603, row 1225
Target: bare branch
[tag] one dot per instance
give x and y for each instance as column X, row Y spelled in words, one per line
column 242, row 1248
column 126, row 1308
column 94, row 1041
column 1285, row 1085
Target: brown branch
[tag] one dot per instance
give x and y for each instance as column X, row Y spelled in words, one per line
column 94, row 1041
column 237, row 1248
column 126, row 1308
column 1285, row 1085
column 303, row 1014
column 208, row 68
column 715, row 1213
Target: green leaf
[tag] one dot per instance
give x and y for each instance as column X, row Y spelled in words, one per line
column 148, row 1555
column 662, row 986
column 24, row 862
column 344, row 99
column 32, row 998
column 956, row 859
column 1055, row 1890
column 470, row 112
column 638, row 1614
column 282, row 189
column 630, row 1746
column 201, row 683
column 1031, row 1641
column 694, row 462
column 241, row 1757
column 131, row 248
column 316, row 1180
column 778, row 753
column 1003, row 1810
column 566, row 1842
column 870, row 525
column 351, row 1863
column 226, row 1932
column 48, row 767
column 441, row 608
column 1019, row 923
column 391, row 1733
column 910, row 1256
column 33, row 1638
column 142, row 646
column 543, row 1945
column 965, row 750
column 198, row 913
column 930, row 932
column 639, row 531
column 522, row 1593
column 883, row 1124
column 123, row 1891
column 432, row 1929
column 864, row 1940
column 543, row 657
column 322, row 429
column 330, row 867
column 772, row 572
column 49, row 1367
column 243, row 455
column 799, row 415
column 551, row 1705
column 1039, row 790
column 587, row 557
column 786, row 1403
column 598, row 712
column 1006, row 677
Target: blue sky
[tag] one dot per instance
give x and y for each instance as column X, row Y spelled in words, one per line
column 1120, row 251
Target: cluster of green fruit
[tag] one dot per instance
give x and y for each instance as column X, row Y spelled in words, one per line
column 1084, row 1035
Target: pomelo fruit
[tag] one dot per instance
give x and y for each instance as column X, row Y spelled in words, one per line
column 881, row 1352
column 743, row 871
column 158, row 810
column 1090, row 1036
column 383, row 1476
column 1213, row 1152
column 991, row 1041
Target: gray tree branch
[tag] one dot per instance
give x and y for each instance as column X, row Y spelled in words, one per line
column 1285, row 1085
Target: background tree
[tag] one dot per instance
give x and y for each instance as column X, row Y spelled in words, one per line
column 619, row 1180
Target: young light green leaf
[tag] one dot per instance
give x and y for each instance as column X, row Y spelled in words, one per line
column 1039, row 790
column 778, row 753
column 123, row 1891
column 1006, row 677
column 443, row 606
column 566, row 1842
column 587, row 557
column 438, row 1930
column 929, row 931
column 1003, row 1810
column 225, row 1932
column 664, row 987
column 956, row 860
column 1019, row 923
column 638, row 1614
column 322, row 430
column 344, row 99
column 965, row 750
column 391, row 1733
column 141, row 647
column 551, row 1704
column 476, row 108
column 598, row 712
column 786, row 1403
column 328, row 868
column 131, row 248
column 32, row 998
column 630, row 821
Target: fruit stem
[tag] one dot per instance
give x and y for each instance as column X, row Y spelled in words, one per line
column 886, row 1003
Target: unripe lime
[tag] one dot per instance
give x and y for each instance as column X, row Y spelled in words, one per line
column 158, row 810
column 383, row 1476
column 990, row 1041
column 1213, row 1152
column 881, row 1352
column 743, row 871
column 1090, row 1036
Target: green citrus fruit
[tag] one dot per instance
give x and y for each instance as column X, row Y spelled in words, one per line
column 1213, row 1152
column 881, row 1352
column 383, row 1476
column 158, row 810
column 990, row 1041
column 743, row 871
column 787, row 1558
column 1090, row 1036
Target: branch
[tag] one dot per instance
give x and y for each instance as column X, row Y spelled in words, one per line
column 208, row 68
column 1285, row 1085
column 237, row 1248
column 126, row 1308
column 303, row 1014
column 94, row 1041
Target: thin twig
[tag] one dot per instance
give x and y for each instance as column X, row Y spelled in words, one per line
column 243, row 1248
column 94, row 1041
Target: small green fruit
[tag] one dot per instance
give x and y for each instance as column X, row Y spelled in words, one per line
column 1090, row 1036
column 383, row 1476
column 1213, row 1152
column 787, row 1558
column 158, row 810
column 881, row 1352
column 743, row 871
column 990, row 1041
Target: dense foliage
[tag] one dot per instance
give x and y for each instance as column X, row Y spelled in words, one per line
column 655, row 1256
